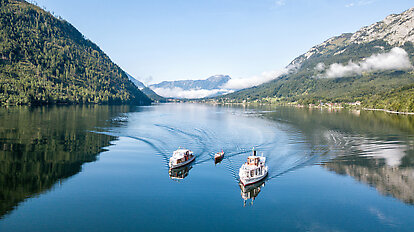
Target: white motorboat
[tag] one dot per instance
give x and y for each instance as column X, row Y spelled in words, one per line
column 181, row 157
column 253, row 170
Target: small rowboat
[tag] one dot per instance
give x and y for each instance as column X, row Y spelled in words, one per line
column 218, row 157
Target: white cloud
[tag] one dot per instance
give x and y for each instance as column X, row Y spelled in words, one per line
column 229, row 87
column 243, row 83
column 360, row 3
column 177, row 92
column 365, row 2
column 320, row 67
column 280, row 2
column 396, row 59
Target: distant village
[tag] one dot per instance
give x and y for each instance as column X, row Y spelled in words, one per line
column 267, row 101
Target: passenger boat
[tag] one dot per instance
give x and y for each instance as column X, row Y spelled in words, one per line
column 218, row 157
column 253, row 170
column 181, row 157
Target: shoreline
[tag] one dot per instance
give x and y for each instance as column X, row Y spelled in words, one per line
column 313, row 107
column 389, row 111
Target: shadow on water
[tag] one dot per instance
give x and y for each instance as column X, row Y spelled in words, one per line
column 42, row 146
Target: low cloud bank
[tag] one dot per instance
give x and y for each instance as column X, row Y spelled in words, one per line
column 177, row 92
column 231, row 86
column 396, row 59
column 243, row 83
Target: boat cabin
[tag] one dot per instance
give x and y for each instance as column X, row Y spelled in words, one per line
column 182, row 155
column 253, row 160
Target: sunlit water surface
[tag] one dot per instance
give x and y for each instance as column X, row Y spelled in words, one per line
column 105, row 168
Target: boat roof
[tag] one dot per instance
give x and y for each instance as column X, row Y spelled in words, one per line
column 180, row 152
column 262, row 158
column 249, row 167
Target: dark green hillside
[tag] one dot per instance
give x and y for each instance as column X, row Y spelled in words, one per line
column 153, row 95
column 45, row 60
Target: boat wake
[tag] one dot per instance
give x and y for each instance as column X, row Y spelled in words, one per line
column 286, row 149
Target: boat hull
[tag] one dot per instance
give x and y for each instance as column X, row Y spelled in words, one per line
column 182, row 164
column 249, row 181
column 218, row 159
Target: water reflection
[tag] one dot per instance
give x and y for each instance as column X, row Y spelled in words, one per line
column 375, row 148
column 180, row 173
column 394, row 181
column 42, row 146
column 250, row 192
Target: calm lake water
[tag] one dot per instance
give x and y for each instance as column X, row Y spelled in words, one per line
column 105, row 168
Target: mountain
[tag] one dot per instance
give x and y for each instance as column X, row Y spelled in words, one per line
column 213, row 82
column 372, row 65
column 153, row 95
column 146, row 90
column 136, row 82
column 209, row 87
column 45, row 60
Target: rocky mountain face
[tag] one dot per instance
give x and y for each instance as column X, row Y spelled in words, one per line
column 394, row 30
column 213, row 82
column 373, row 65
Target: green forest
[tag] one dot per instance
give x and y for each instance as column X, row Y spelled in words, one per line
column 45, row 60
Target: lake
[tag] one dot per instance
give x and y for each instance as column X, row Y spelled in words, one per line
column 105, row 168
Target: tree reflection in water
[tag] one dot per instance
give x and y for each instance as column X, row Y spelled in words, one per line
column 375, row 148
column 42, row 146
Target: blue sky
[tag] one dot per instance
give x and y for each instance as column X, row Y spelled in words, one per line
column 183, row 39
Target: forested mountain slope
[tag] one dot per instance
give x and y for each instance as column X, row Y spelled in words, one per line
column 45, row 60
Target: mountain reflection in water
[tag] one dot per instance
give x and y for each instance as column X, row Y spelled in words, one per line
column 42, row 146
column 375, row 148
column 313, row 156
